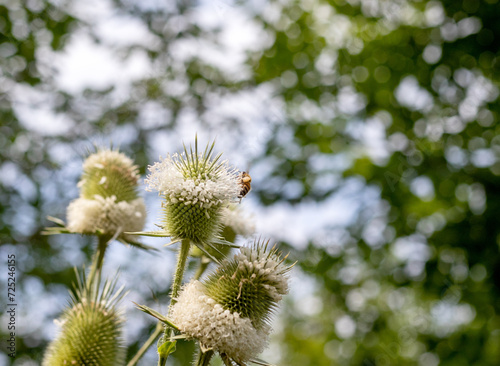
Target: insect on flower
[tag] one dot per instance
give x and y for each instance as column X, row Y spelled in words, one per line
column 245, row 181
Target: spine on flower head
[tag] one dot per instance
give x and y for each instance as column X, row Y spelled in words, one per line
column 230, row 311
column 109, row 201
column 251, row 284
column 196, row 187
column 91, row 331
column 234, row 222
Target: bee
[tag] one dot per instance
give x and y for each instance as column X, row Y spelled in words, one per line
column 245, row 184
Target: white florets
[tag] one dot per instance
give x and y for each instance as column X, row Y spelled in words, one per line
column 237, row 220
column 265, row 266
column 200, row 317
column 168, row 178
column 103, row 157
column 87, row 216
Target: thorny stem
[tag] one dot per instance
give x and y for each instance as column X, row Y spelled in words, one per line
column 179, row 273
column 98, row 259
column 204, row 358
column 176, row 287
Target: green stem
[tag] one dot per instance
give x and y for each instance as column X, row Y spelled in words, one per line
column 97, row 259
column 204, row 358
column 162, row 361
column 201, row 269
column 176, row 287
column 146, row 345
column 179, row 273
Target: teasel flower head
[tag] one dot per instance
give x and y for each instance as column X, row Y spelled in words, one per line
column 195, row 187
column 108, row 202
column 91, row 329
column 230, row 310
column 235, row 222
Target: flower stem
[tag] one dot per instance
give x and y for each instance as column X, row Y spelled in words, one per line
column 162, row 361
column 146, row 345
column 179, row 273
column 176, row 287
column 204, row 358
column 97, row 259
column 201, row 269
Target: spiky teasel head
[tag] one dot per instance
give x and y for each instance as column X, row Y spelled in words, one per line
column 196, row 186
column 230, row 311
column 108, row 173
column 108, row 202
column 91, row 329
column 252, row 283
column 235, row 221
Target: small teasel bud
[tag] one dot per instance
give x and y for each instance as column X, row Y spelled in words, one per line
column 91, row 330
column 108, row 202
column 196, row 187
column 230, row 311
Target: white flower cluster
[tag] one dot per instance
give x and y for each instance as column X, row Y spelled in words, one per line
column 173, row 179
column 200, row 317
column 237, row 220
column 265, row 266
column 86, row 216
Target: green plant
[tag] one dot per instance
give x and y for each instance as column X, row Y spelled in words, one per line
column 227, row 313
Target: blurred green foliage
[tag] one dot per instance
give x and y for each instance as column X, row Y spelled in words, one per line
column 405, row 92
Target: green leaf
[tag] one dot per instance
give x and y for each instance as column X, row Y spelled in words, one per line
column 166, row 349
column 158, row 234
column 56, row 221
column 137, row 244
column 258, row 361
column 156, row 315
column 56, row 230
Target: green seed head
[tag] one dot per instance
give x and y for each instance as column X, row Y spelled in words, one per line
column 200, row 225
column 229, row 312
column 108, row 201
column 90, row 332
column 251, row 284
column 108, row 173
